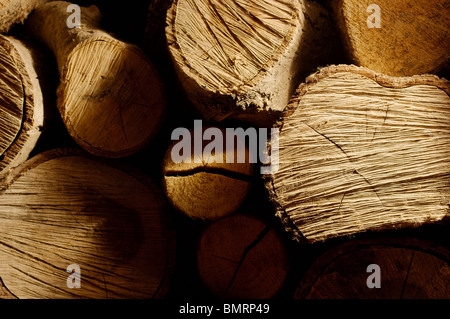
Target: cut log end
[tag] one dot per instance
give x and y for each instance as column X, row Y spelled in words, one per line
column 399, row 39
column 386, row 268
column 242, row 257
column 230, row 59
column 16, row 11
column 357, row 155
column 244, row 59
column 12, row 96
column 69, row 209
column 111, row 97
column 207, row 187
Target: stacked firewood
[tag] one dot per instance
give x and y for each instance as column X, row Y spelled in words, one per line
column 227, row 149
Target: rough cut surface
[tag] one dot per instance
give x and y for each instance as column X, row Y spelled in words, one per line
column 208, row 188
column 361, row 151
column 244, row 59
column 63, row 208
column 110, row 96
column 21, row 103
column 413, row 37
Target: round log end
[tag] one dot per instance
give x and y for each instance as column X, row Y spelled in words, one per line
column 75, row 227
column 207, row 185
column 242, row 257
column 111, row 97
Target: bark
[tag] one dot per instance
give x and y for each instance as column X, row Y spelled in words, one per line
column 21, row 109
column 16, row 11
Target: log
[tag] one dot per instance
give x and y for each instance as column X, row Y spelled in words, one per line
column 409, row 268
column 362, row 151
column 21, row 102
column 16, row 11
column 207, row 187
column 411, row 38
column 110, row 96
column 242, row 257
column 244, row 59
column 64, row 208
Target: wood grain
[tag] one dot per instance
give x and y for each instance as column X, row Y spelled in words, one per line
column 62, row 208
column 413, row 37
column 242, row 257
column 361, row 151
column 110, row 96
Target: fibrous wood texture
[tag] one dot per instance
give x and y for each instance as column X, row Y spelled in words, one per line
column 409, row 268
column 244, row 59
column 63, row 208
column 207, row 187
column 361, row 151
column 242, row 257
column 16, row 11
column 110, row 96
column 412, row 37
column 21, row 102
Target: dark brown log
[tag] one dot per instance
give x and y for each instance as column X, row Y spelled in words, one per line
column 244, row 59
column 409, row 269
column 21, row 102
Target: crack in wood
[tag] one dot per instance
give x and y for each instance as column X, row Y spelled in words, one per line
column 211, row 170
column 246, row 251
column 407, row 274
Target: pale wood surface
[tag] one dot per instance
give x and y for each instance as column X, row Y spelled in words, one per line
column 21, row 102
column 361, row 151
column 110, row 97
column 413, row 37
column 244, row 59
column 62, row 208
column 16, row 11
